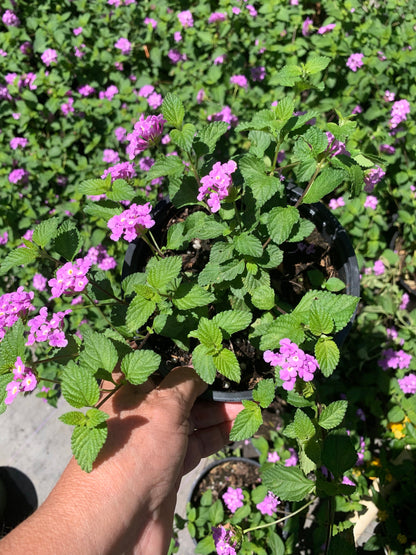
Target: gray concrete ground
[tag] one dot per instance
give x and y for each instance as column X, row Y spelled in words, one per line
column 34, row 441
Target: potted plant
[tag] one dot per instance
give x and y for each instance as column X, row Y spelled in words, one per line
column 212, row 290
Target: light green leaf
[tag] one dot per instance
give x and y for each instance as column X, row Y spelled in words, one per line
column 333, row 414
column 99, row 352
column 17, row 257
column 281, row 221
column 288, row 483
column 173, row 110
column 68, row 240
column 121, row 190
column 316, row 64
column 263, row 297
column 260, row 141
column 139, row 312
column 163, row 271
column 334, row 284
column 129, row 282
column 264, row 392
column 79, row 387
column 86, row 443
column 210, row 134
column 168, row 166
column 95, row 417
column 104, row 209
column 320, row 321
column 232, row 321
column 287, row 76
column 12, row 346
column 94, row 186
column 287, row 325
column 139, row 365
column 284, row 109
column 230, row 270
column 304, row 427
column 208, row 333
column 316, row 139
column 204, row 364
column 227, row 364
column 325, row 183
column 73, row 418
column 190, row 295
column 184, row 137
column 248, row 245
column 327, row 355
column 45, row 232
column 247, row 422
column 338, row 453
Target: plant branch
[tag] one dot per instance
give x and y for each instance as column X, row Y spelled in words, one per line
column 280, row 519
column 309, row 185
column 109, row 395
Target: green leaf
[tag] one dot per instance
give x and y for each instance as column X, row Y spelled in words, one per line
column 103, row 209
column 45, row 232
column 288, row 483
column 79, row 387
column 99, row 352
column 325, row 183
column 333, row 414
column 327, row 355
column 86, row 443
column 190, row 295
column 284, row 109
column 304, row 427
column 247, row 422
column 248, row 245
column 316, row 64
column 232, row 321
column 68, row 240
column 275, row 543
column 139, row 365
column 12, row 346
column 208, row 333
column 184, row 137
column 210, row 134
column 263, row 297
column 206, row 546
column 230, row 270
column 173, row 110
column 287, row 76
column 227, row 364
column 281, row 221
column 95, row 417
column 216, row 512
column 73, row 418
column 4, row 380
column 316, row 139
column 338, row 453
column 334, row 284
column 260, row 141
column 204, row 364
column 163, row 271
column 94, row 186
column 168, row 166
column 139, row 312
column 17, row 257
column 121, row 190
column 129, row 282
column 320, row 321
column 287, row 325
column 264, row 392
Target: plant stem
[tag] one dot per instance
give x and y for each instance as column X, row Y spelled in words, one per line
column 280, row 519
column 330, row 524
column 276, row 154
column 309, row 185
column 156, row 245
column 193, row 167
column 152, row 247
column 98, row 286
column 109, row 395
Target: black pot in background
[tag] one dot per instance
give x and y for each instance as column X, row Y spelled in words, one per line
column 342, row 256
column 18, row 498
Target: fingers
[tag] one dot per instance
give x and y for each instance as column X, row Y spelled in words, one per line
column 184, row 384
column 210, row 413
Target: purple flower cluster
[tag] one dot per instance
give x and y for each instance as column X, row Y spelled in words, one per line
column 217, row 17
column 4, row 237
column 225, row 115
column 86, row 90
column 150, row 21
column 110, row 156
column 372, row 177
column 326, row 28
column 335, row 203
column 10, row 19
column 43, row 330
column 99, row 255
column 70, row 278
column 258, row 73
column 371, row 202
column 24, row 380
column 225, row 543
column 17, row 142
column 335, row 147
column 217, row 184
column 131, row 222
column 408, row 384
column 378, row 268
column 49, row 56
column 124, row 45
column 387, row 149
column 292, row 460
column 18, row 175
column 306, row 26
column 404, row 301
column 269, row 504
column 233, row 499
column 175, row 56
column 146, row 133
column 394, row 359
column 239, row 80
column 355, row 61
column 186, row 19
column 123, row 170
column 293, row 362
column 109, row 93
column 39, row 282
column 399, row 112
column 12, row 306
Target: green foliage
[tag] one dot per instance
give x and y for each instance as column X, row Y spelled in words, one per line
column 288, row 483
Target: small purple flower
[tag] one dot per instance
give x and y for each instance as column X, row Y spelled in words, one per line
column 10, row 19
column 387, row 149
column 408, row 384
column 347, row 481
column 217, row 184
column 233, row 498
column 124, row 45
column 326, row 28
column 110, row 156
column 18, row 176
column 371, row 202
column 186, row 19
column 146, row 91
column 269, row 504
column 123, row 170
column 258, row 73
column 404, row 302
column 217, row 17
column 86, row 90
column 239, row 80
column 372, row 177
column 225, row 542
column 109, row 93
column 175, row 56
column 146, row 133
column 306, row 26
column 355, row 61
column 293, row 459
column 177, row 37
column 224, row 115
column 219, row 60
column 357, row 110
column 155, row 100
column 251, row 10
column 273, row 457
column 4, row 238
column 335, row 203
column 399, row 112
column 378, row 268
column 49, row 56
column 17, row 142
column 39, row 282
column 335, row 147
column 77, row 31
column 389, row 96
column 200, row 96
column 150, row 21
column 131, row 222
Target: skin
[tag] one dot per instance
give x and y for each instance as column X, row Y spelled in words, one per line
column 126, row 504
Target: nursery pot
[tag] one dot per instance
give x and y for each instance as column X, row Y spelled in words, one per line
column 342, row 258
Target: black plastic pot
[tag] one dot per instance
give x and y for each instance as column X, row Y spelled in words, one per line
column 18, row 498
column 342, row 256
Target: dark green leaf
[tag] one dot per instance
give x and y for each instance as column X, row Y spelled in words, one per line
column 45, row 232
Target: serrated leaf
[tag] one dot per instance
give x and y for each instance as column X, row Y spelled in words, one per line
column 79, row 387
column 264, row 392
column 320, row 321
column 183, row 138
column 263, row 297
column 316, row 139
column 304, row 427
column 327, row 355
column 208, row 333
column 190, row 295
column 316, row 64
column 287, row 325
column 356, row 176
column 290, row 431
column 94, row 186
column 139, row 365
column 45, row 232
column 163, row 271
column 232, row 321
column 17, row 257
column 363, row 161
column 248, row 245
column 99, row 352
column 328, row 180
column 121, row 190
column 73, row 418
column 284, row 109
column 230, row 270
column 260, row 141
column 4, row 380
column 305, row 170
column 210, row 134
column 68, row 240
column 247, row 422
column 138, row 312
column 104, row 209
column 12, row 346
column 333, row 414
column 288, row 483
column 281, row 221
column 129, row 282
column 287, row 76
column 204, row 364
column 173, row 110
column 168, row 166
column 209, row 275
column 176, row 236
column 303, row 228
column 227, row 364
column 341, row 307
column 86, row 443
column 95, row 417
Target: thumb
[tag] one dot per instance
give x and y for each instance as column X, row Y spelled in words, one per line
column 183, row 384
